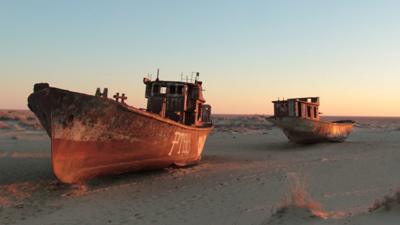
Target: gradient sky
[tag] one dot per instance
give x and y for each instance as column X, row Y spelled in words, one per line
column 248, row 52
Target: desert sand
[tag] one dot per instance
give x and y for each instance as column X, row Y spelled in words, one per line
column 249, row 174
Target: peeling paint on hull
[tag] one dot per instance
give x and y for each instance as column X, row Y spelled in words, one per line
column 93, row 136
column 310, row 131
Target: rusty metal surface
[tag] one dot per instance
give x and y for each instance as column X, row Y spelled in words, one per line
column 300, row 121
column 92, row 136
column 309, row 131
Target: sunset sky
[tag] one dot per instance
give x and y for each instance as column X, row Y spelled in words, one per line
column 248, row 52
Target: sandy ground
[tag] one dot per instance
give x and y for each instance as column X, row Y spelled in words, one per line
column 250, row 174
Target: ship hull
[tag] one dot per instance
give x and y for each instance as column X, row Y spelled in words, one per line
column 93, row 136
column 309, row 131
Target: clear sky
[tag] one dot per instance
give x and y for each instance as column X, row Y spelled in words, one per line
column 248, row 52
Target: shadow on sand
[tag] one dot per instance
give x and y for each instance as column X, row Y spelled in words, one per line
column 291, row 146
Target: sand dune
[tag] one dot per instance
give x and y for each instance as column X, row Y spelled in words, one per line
column 241, row 124
column 19, row 120
column 371, row 123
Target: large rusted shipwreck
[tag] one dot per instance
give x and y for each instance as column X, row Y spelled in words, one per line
column 94, row 135
column 299, row 118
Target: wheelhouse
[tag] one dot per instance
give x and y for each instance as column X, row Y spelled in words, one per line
column 307, row 108
column 182, row 102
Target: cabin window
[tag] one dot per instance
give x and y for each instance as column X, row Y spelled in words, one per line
column 281, row 110
column 180, row 89
column 163, row 90
column 299, row 110
column 156, row 89
column 172, row 89
column 309, row 111
column 315, row 112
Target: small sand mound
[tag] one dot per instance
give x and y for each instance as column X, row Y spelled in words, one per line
column 292, row 215
column 4, row 201
column 388, row 203
column 77, row 190
column 4, row 125
column 14, row 193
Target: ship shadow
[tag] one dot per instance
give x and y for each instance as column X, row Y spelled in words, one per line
column 289, row 146
column 19, row 170
column 216, row 159
column 33, row 170
column 152, row 175
column 125, row 178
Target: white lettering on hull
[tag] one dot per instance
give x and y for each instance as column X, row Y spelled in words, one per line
column 180, row 144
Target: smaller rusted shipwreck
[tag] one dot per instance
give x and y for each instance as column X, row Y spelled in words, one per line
column 94, row 135
column 299, row 118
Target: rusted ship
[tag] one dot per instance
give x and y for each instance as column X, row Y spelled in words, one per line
column 94, row 135
column 299, row 118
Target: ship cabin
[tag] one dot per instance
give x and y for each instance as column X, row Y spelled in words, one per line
column 182, row 102
column 306, row 108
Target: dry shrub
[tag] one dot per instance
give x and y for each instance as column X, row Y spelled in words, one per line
column 300, row 198
column 16, row 192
